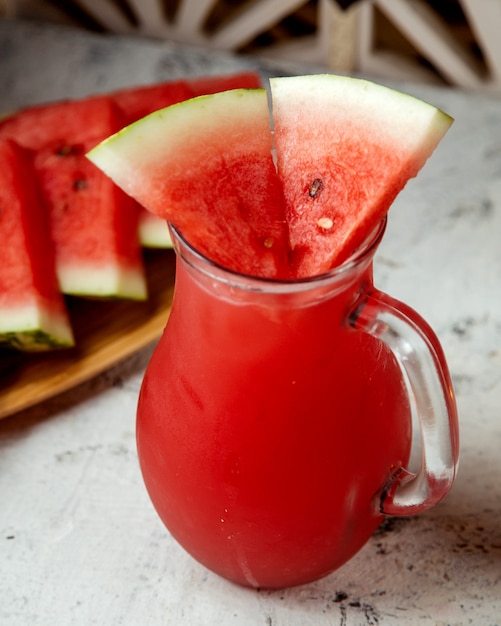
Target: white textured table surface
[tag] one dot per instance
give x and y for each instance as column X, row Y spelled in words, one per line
column 79, row 540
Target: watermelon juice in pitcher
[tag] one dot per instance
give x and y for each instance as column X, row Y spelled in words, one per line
column 275, row 418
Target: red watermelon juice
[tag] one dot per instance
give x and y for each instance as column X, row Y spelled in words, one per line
column 266, row 425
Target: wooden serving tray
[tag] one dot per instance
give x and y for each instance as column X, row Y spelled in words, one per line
column 106, row 332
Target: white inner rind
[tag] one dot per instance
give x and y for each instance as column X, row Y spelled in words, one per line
column 28, row 322
column 108, row 282
column 154, row 232
column 392, row 117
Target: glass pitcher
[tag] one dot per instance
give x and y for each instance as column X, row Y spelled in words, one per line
column 275, row 418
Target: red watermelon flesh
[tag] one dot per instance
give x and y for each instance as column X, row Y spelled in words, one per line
column 37, row 126
column 93, row 224
column 33, row 313
column 135, row 103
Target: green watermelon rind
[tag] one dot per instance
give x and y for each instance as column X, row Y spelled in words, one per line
column 33, row 341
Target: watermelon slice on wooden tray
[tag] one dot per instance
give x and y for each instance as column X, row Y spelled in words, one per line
column 136, row 102
column 344, row 148
column 93, row 224
column 33, row 313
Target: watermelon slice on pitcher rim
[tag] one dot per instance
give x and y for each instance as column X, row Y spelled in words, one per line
column 345, row 148
column 289, row 204
column 200, row 156
column 137, row 102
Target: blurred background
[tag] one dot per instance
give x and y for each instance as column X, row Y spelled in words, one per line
column 454, row 42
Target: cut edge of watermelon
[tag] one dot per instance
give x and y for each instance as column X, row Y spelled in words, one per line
column 33, row 328
column 102, row 282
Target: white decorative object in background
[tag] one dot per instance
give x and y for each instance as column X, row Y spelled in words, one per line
column 411, row 39
column 449, row 53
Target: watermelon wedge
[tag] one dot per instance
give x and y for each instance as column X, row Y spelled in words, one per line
column 343, row 148
column 137, row 102
column 33, row 314
column 231, row 194
column 93, row 224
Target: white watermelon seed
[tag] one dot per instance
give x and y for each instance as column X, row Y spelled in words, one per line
column 325, row 222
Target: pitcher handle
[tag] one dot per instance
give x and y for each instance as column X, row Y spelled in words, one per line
column 426, row 375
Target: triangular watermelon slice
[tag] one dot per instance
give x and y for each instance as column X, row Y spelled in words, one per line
column 33, row 313
column 344, row 148
column 93, row 224
column 210, row 167
column 137, row 102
